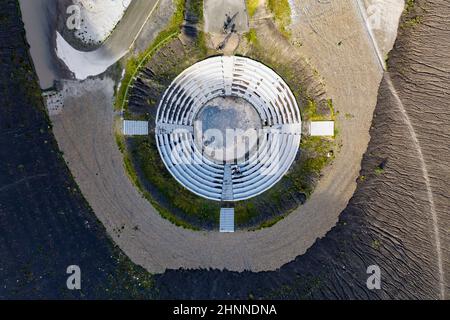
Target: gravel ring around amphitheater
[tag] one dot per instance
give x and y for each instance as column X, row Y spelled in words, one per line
column 277, row 142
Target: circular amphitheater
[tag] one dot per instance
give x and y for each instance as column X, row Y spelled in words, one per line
column 228, row 128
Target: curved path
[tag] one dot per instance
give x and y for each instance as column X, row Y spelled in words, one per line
column 84, row 131
column 85, row 64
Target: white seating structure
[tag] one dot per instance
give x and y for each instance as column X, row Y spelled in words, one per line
column 228, row 76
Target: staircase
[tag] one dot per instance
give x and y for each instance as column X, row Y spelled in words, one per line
column 227, row 184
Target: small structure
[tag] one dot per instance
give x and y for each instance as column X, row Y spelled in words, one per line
column 135, row 128
column 54, row 101
column 226, row 220
column 321, row 128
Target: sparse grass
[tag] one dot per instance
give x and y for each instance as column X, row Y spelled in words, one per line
column 176, row 203
column 282, row 15
column 412, row 22
column 315, row 157
column 270, row 222
column 348, row 116
column 252, row 5
column 310, row 111
column 409, row 5
column 154, row 171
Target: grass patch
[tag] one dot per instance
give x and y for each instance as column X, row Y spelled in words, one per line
column 270, row 222
column 155, row 172
column 252, row 5
column 310, row 112
column 183, row 207
column 409, row 5
column 412, row 22
column 378, row 170
column 196, row 7
column 134, row 63
column 282, row 14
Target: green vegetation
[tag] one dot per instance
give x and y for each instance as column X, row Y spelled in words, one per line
column 195, row 7
column 412, row 22
column 409, row 5
column 317, row 152
column 252, row 5
column 154, row 171
column 282, row 14
column 348, row 116
column 376, row 244
column 270, row 222
column 175, row 203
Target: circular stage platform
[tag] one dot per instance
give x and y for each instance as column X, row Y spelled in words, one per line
column 228, row 128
